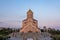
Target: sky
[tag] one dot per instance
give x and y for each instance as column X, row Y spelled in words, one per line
column 47, row 12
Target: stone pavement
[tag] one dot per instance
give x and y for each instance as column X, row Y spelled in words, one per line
column 42, row 36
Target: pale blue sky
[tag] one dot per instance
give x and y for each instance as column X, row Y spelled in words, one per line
column 47, row 12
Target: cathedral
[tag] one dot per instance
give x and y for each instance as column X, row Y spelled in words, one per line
column 29, row 24
column 30, row 30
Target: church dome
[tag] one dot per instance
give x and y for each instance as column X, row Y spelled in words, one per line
column 29, row 11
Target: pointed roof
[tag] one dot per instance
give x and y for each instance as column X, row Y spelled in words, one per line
column 29, row 11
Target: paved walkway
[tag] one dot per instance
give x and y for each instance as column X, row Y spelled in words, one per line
column 43, row 36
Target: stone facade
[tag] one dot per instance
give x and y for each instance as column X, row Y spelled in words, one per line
column 29, row 24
